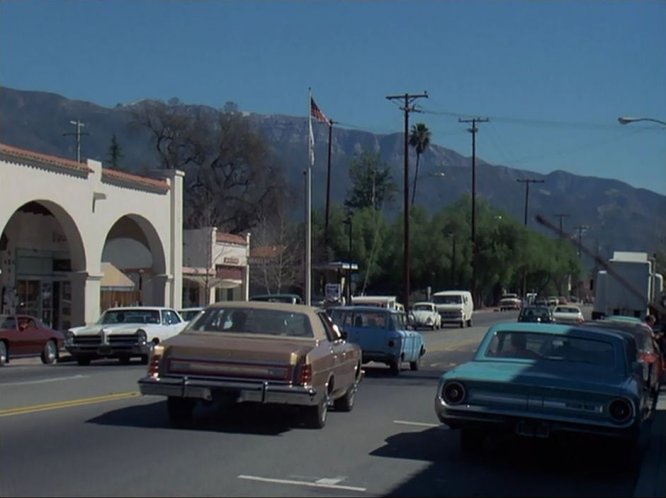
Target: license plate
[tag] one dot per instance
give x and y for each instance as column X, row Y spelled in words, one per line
column 532, row 429
column 104, row 350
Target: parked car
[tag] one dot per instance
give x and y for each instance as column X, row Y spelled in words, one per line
column 24, row 335
column 256, row 352
column 536, row 313
column 123, row 333
column 568, row 313
column 188, row 313
column 382, row 334
column 424, row 314
column 540, row 380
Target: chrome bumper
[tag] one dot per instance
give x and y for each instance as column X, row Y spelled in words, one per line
column 242, row 391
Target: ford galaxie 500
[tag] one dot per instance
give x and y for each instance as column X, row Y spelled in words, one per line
column 539, row 380
column 256, row 352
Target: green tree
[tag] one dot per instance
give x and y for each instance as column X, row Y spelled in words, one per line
column 419, row 139
column 372, row 183
column 115, row 152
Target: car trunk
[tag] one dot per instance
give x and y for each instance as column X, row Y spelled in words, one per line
column 236, row 356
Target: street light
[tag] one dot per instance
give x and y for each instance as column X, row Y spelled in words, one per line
column 626, row 120
column 348, row 222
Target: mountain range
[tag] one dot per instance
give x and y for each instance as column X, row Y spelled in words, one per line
column 616, row 216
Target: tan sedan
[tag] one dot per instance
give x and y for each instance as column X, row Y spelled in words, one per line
column 257, row 352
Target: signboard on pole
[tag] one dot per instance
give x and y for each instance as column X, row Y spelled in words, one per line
column 333, row 292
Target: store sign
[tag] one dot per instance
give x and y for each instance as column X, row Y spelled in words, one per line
column 231, row 261
column 333, row 291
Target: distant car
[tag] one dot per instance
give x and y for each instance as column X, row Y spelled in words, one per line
column 539, row 380
column 278, row 298
column 256, row 352
column 509, row 303
column 382, row 334
column 188, row 313
column 123, row 333
column 537, row 313
column 568, row 313
column 425, row 314
column 24, row 336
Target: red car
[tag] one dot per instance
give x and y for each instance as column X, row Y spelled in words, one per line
column 25, row 335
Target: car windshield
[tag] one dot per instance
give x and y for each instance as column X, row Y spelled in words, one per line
column 253, row 321
column 538, row 346
column 422, row 307
column 129, row 316
column 361, row 319
column 456, row 299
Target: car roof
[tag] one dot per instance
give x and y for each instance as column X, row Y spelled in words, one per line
column 139, row 308
column 555, row 329
column 267, row 305
column 362, row 307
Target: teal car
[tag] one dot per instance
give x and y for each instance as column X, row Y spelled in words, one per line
column 542, row 380
column 382, row 334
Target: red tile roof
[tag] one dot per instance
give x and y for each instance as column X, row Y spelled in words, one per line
column 111, row 175
column 230, row 237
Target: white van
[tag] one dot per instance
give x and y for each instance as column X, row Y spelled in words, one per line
column 454, row 306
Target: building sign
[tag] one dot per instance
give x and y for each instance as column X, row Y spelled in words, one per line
column 333, row 292
column 227, row 260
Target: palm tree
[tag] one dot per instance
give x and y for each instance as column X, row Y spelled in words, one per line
column 419, row 138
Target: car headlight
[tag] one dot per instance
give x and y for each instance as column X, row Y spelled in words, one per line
column 69, row 337
column 453, row 393
column 141, row 336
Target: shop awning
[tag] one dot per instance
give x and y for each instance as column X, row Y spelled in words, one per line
column 114, row 279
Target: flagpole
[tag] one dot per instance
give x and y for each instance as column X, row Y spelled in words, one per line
column 308, row 207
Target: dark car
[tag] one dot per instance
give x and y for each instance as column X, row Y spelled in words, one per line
column 542, row 314
column 25, row 335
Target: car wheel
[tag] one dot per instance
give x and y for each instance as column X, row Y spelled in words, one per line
column 50, row 353
column 83, row 361
column 346, row 402
column 180, row 410
column 462, row 324
column 469, row 322
column 4, row 356
column 394, row 365
column 315, row 416
column 415, row 365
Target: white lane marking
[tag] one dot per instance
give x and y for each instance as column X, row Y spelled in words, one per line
column 330, row 480
column 420, row 424
column 44, row 381
column 316, row 484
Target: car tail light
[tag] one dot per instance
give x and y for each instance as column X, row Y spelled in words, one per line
column 454, row 393
column 305, row 374
column 154, row 363
column 620, row 410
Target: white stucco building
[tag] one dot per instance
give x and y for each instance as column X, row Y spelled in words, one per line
column 60, row 219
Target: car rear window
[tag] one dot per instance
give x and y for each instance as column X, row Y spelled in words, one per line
column 253, row 321
column 517, row 344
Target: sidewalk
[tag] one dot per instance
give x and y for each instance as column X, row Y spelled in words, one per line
column 652, row 478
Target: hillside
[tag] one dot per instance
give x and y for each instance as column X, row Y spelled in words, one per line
column 620, row 216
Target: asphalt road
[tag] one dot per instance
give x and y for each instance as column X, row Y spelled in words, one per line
column 67, row 430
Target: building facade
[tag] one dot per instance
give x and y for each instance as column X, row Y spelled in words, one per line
column 60, row 219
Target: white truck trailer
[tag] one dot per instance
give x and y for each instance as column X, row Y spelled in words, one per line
column 627, row 287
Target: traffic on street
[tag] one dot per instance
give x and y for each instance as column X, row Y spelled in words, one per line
column 72, row 430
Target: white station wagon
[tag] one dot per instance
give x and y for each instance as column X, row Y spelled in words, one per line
column 123, row 333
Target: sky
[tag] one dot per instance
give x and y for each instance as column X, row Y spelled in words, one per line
column 552, row 77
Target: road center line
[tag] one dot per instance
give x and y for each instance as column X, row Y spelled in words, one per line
column 317, row 484
column 44, row 381
column 66, row 404
column 420, row 424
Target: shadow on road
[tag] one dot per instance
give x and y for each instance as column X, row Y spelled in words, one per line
column 508, row 466
column 234, row 419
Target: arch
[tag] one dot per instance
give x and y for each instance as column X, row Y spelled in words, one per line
column 141, row 229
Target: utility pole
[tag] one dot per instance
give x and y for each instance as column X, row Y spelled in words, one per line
column 328, row 184
column 527, row 182
column 561, row 216
column 407, row 107
column 580, row 229
column 78, row 135
column 473, row 131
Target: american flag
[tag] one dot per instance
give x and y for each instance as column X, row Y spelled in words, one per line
column 316, row 113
